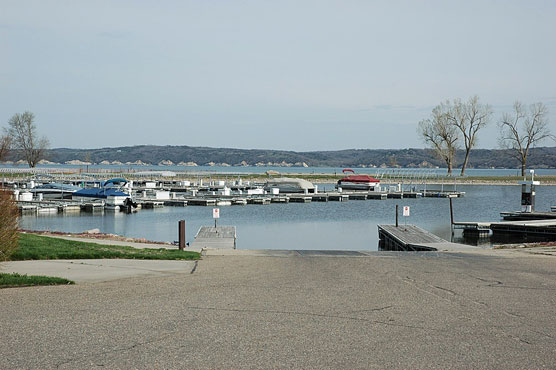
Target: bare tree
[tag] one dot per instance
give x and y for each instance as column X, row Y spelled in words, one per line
column 468, row 118
column 523, row 129
column 23, row 133
column 440, row 134
column 5, row 145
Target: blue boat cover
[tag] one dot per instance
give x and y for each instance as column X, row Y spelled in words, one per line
column 100, row 193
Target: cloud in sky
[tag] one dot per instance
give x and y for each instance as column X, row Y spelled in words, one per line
column 301, row 75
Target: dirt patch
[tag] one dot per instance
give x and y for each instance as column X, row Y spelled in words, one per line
column 100, row 236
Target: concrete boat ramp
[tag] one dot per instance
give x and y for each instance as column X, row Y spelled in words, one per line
column 217, row 241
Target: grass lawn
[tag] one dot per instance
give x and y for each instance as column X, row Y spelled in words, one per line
column 35, row 247
column 17, row 280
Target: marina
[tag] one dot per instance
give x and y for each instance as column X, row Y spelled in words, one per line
column 121, row 194
column 339, row 223
column 319, row 216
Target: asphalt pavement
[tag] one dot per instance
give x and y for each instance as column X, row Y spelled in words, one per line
column 491, row 309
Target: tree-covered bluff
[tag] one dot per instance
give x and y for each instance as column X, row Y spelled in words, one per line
column 542, row 157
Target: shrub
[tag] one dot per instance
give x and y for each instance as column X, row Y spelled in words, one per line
column 8, row 225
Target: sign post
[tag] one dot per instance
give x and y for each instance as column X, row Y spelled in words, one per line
column 406, row 213
column 215, row 215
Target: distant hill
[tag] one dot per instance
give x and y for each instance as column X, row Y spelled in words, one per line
column 543, row 157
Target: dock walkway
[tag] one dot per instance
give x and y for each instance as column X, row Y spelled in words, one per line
column 530, row 227
column 519, row 216
column 210, row 237
column 546, row 227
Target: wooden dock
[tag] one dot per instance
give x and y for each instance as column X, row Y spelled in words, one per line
column 413, row 238
column 473, row 227
column 519, row 216
column 300, row 199
column 525, row 228
column 533, row 227
column 210, row 237
column 443, row 194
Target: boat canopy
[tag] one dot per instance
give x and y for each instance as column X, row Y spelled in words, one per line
column 290, row 181
column 100, row 193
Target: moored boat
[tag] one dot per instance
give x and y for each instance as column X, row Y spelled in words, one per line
column 54, row 191
column 290, row 185
column 111, row 191
column 358, row 182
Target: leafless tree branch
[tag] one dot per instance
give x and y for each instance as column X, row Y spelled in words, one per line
column 23, row 134
column 523, row 129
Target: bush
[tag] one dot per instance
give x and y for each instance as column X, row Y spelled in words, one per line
column 8, row 225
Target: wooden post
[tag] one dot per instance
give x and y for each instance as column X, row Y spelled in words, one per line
column 396, row 215
column 451, row 212
column 451, row 217
column 181, row 234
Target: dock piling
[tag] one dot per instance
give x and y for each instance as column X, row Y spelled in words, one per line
column 451, row 216
column 181, row 234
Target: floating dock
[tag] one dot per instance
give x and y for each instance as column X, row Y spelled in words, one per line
column 532, row 227
column 413, row 238
column 519, row 216
column 473, row 227
column 526, row 228
column 443, row 194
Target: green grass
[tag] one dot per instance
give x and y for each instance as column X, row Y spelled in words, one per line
column 35, row 247
column 17, row 280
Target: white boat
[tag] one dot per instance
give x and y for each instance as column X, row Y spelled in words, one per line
column 54, row 191
column 290, row 185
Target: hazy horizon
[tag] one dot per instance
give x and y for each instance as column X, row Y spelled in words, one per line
column 289, row 75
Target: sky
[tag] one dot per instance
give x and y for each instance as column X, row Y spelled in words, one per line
column 293, row 75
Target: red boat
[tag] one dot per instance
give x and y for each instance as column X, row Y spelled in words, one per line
column 358, row 182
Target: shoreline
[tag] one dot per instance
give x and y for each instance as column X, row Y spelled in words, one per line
column 330, row 178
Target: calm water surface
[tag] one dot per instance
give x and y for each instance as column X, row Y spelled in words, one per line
column 348, row 225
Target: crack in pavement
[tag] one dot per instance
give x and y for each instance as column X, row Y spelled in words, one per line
column 370, row 309
column 124, row 349
column 519, row 287
column 308, row 314
column 194, row 267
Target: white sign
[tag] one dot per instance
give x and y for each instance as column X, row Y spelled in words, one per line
column 216, row 213
column 406, row 211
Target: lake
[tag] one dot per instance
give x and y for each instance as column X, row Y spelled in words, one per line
column 348, row 225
